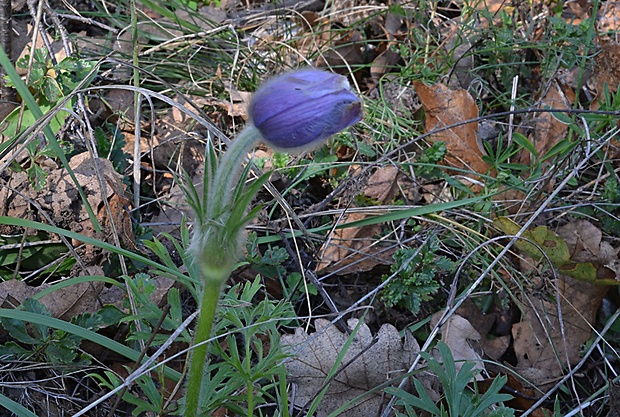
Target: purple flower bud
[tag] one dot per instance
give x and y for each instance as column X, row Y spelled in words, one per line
column 298, row 109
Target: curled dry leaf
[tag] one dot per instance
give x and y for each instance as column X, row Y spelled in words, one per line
column 549, row 130
column 368, row 362
column 444, row 107
column 459, row 334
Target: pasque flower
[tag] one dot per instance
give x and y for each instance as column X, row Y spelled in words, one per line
column 297, row 110
column 293, row 111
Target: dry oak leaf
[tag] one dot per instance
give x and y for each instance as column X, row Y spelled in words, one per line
column 368, row 362
column 444, row 107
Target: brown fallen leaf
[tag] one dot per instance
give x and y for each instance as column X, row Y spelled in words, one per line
column 368, row 362
column 549, row 130
column 64, row 303
column 493, row 345
column 459, row 334
column 545, row 341
column 353, row 244
column 444, row 107
column 606, row 71
column 577, row 11
column 60, row 201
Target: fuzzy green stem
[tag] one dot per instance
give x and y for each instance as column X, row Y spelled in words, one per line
column 208, row 306
column 250, row 388
column 215, row 268
column 229, row 167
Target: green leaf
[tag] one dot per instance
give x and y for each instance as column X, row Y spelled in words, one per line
column 11, row 351
column 562, row 148
column 50, row 88
column 32, row 252
column 491, row 396
column 37, row 177
column 422, row 401
column 556, row 250
column 525, row 143
column 11, row 221
column 42, row 331
column 552, row 245
column 61, row 350
column 17, row 328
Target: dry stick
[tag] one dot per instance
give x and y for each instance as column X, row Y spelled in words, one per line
column 86, row 20
column 513, row 100
column 492, row 265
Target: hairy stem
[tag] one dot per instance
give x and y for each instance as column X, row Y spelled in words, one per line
column 228, row 170
column 214, row 267
column 208, row 306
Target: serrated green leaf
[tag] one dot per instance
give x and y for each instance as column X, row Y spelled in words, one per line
column 17, row 330
column 11, row 351
column 61, row 351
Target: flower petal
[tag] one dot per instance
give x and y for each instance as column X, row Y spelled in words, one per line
column 303, row 108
